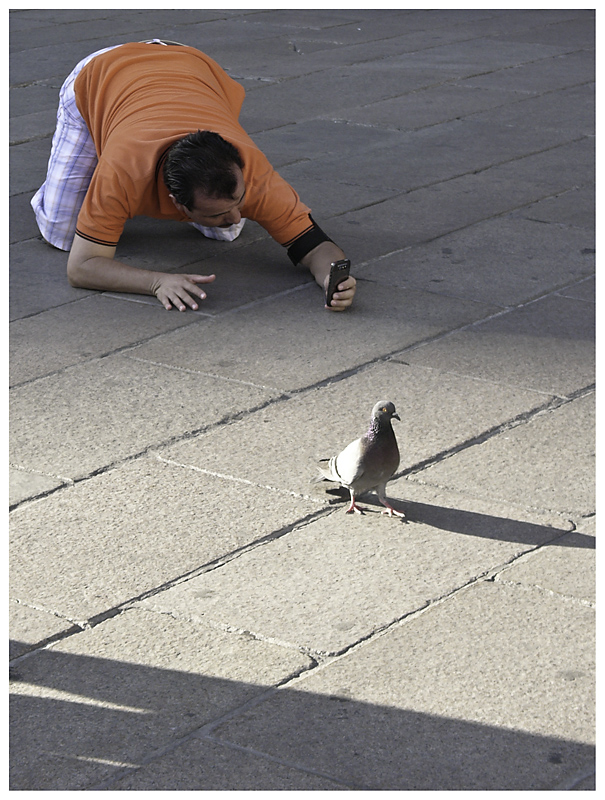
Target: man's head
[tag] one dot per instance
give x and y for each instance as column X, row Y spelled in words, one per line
column 203, row 173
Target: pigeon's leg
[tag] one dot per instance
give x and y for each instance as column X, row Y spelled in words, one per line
column 389, row 510
column 353, row 505
column 392, row 512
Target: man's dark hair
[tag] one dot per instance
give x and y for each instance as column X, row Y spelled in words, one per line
column 204, row 162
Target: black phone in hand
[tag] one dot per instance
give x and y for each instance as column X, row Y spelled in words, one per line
column 339, row 270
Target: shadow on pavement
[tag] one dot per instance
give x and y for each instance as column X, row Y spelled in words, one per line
column 79, row 721
column 470, row 523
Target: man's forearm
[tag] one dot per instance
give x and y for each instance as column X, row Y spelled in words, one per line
column 106, row 274
column 93, row 267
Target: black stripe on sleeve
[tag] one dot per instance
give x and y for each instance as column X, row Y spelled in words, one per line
column 95, row 240
column 307, row 242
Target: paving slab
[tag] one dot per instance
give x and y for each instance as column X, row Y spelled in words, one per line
column 290, row 143
column 22, row 223
column 306, row 52
column 466, row 513
column 567, row 569
column 116, row 407
column 587, row 526
column 276, row 55
column 30, row 626
column 203, row 765
column 474, row 694
column 371, row 328
column 93, row 546
column 575, row 207
column 28, row 164
column 434, row 105
column 570, row 69
column 37, row 279
column 257, row 269
column 30, row 19
column 505, row 260
column 243, row 275
column 332, row 90
column 526, row 26
column 56, row 60
column 88, row 328
column 482, row 54
column 84, row 25
column 328, row 200
column 569, row 111
column 177, row 246
column 24, row 484
column 320, row 423
column 424, row 214
column 305, row 18
column 547, row 463
column 553, row 170
column 572, row 34
column 36, row 125
column 152, row 244
column 342, row 578
column 456, row 148
column 109, row 697
column 546, row 345
column 501, row 91
column 584, row 290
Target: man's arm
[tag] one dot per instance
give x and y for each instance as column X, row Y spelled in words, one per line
column 92, row 266
column 318, row 261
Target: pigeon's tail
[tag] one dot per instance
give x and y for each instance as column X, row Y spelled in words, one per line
column 327, row 468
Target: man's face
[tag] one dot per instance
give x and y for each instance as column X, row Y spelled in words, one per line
column 216, row 212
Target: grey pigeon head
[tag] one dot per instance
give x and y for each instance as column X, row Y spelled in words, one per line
column 384, row 411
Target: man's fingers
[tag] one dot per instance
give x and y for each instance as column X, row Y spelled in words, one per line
column 349, row 284
column 186, row 298
column 171, row 299
column 344, row 295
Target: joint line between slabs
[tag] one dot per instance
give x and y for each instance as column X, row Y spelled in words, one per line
column 200, row 372
column 267, row 757
column 235, row 479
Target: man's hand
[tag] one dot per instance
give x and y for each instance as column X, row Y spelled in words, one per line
column 92, row 266
column 318, row 261
column 344, row 294
column 177, row 290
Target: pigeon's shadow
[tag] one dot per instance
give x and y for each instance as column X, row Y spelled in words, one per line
column 471, row 523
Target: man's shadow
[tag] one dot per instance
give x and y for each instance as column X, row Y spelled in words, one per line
column 83, row 722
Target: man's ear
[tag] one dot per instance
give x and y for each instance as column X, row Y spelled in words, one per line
column 180, row 207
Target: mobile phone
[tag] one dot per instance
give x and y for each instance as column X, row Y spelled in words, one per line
column 339, row 270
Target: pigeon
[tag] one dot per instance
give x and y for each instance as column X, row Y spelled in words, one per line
column 368, row 462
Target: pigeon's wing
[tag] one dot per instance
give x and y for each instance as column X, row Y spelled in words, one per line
column 349, row 464
column 346, row 467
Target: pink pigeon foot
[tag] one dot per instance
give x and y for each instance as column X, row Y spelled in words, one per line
column 354, row 507
column 391, row 512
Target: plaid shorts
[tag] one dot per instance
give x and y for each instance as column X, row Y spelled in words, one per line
column 73, row 159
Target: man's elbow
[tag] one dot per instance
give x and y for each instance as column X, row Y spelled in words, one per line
column 73, row 279
column 75, row 274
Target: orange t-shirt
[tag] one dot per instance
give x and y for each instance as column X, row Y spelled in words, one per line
column 138, row 99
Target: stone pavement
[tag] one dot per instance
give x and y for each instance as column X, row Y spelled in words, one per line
column 188, row 611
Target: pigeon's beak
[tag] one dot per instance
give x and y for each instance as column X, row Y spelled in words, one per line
column 396, row 416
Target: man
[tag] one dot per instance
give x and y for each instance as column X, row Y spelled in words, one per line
column 151, row 128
